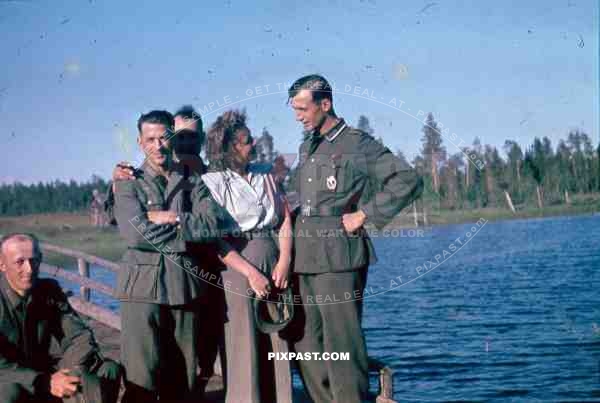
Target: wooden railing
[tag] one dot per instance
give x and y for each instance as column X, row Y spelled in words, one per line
column 83, row 305
column 82, row 302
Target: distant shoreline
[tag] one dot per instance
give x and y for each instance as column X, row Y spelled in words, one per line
column 73, row 230
column 448, row 217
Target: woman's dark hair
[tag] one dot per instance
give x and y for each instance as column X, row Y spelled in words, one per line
column 220, row 138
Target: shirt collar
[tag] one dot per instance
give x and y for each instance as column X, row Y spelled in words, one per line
column 334, row 132
column 230, row 174
column 148, row 170
column 15, row 299
column 151, row 172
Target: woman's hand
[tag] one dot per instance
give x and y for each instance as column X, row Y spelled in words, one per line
column 162, row 217
column 281, row 274
column 259, row 283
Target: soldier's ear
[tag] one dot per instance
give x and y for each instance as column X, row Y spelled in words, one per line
column 326, row 105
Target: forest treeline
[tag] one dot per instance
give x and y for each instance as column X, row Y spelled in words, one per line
column 474, row 176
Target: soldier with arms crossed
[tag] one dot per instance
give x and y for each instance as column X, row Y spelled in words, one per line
column 160, row 286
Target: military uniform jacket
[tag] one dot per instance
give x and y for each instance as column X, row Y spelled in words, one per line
column 156, row 267
column 340, row 172
column 28, row 326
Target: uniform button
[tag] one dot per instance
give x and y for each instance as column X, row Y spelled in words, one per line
column 149, row 201
column 312, row 160
column 303, row 221
column 310, row 179
column 308, row 201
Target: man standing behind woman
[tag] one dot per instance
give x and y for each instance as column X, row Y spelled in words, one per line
column 250, row 195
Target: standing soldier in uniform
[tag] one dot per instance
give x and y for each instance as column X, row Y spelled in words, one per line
column 187, row 144
column 345, row 178
column 160, row 285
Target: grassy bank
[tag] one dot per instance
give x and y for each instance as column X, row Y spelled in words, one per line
column 74, row 231
column 69, row 230
column 581, row 206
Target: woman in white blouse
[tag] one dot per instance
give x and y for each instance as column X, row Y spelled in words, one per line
column 250, row 195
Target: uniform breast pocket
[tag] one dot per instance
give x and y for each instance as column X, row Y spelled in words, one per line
column 144, row 282
column 331, row 176
column 139, row 280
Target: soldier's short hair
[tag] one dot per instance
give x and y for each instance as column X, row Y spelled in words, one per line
column 159, row 117
column 20, row 236
column 317, row 84
column 188, row 112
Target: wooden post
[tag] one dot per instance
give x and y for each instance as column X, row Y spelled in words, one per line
column 509, row 201
column 84, row 271
column 386, row 392
column 283, row 371
column 415, row 214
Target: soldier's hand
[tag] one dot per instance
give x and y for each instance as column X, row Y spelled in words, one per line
column 354, row 221
column 124, row 171
column 162, row 217
column 281, row 274
column 63, row 385
column 259, row 283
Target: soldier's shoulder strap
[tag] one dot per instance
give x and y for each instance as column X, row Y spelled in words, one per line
column 356, row 137
column 357, row 132
column 366, row 139
column 143, row 183
column 49, row 291
column 353, row 131
column 47, row 285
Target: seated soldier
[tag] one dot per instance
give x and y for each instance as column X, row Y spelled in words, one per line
column 33, row 312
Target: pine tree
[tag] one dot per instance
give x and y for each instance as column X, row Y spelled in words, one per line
column 433, row 152
column 536, row 164
column 403, row 161
column 364, row 125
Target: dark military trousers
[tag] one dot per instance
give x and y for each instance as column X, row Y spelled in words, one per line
column 100, row 386
column 333, row 327
column 158, row 351
column 210, row 343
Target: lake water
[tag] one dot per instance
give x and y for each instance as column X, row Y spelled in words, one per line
column 511, row 312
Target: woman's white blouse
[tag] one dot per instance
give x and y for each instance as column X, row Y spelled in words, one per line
column 247, row 201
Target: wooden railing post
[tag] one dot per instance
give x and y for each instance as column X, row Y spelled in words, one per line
column 84, row 271
column 386, row 386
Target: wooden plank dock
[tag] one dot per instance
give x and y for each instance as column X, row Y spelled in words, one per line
column 106, row 324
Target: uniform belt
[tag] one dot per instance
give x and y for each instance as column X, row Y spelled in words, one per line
column 321, row 211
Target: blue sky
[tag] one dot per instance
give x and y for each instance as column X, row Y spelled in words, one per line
column 77, row 74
